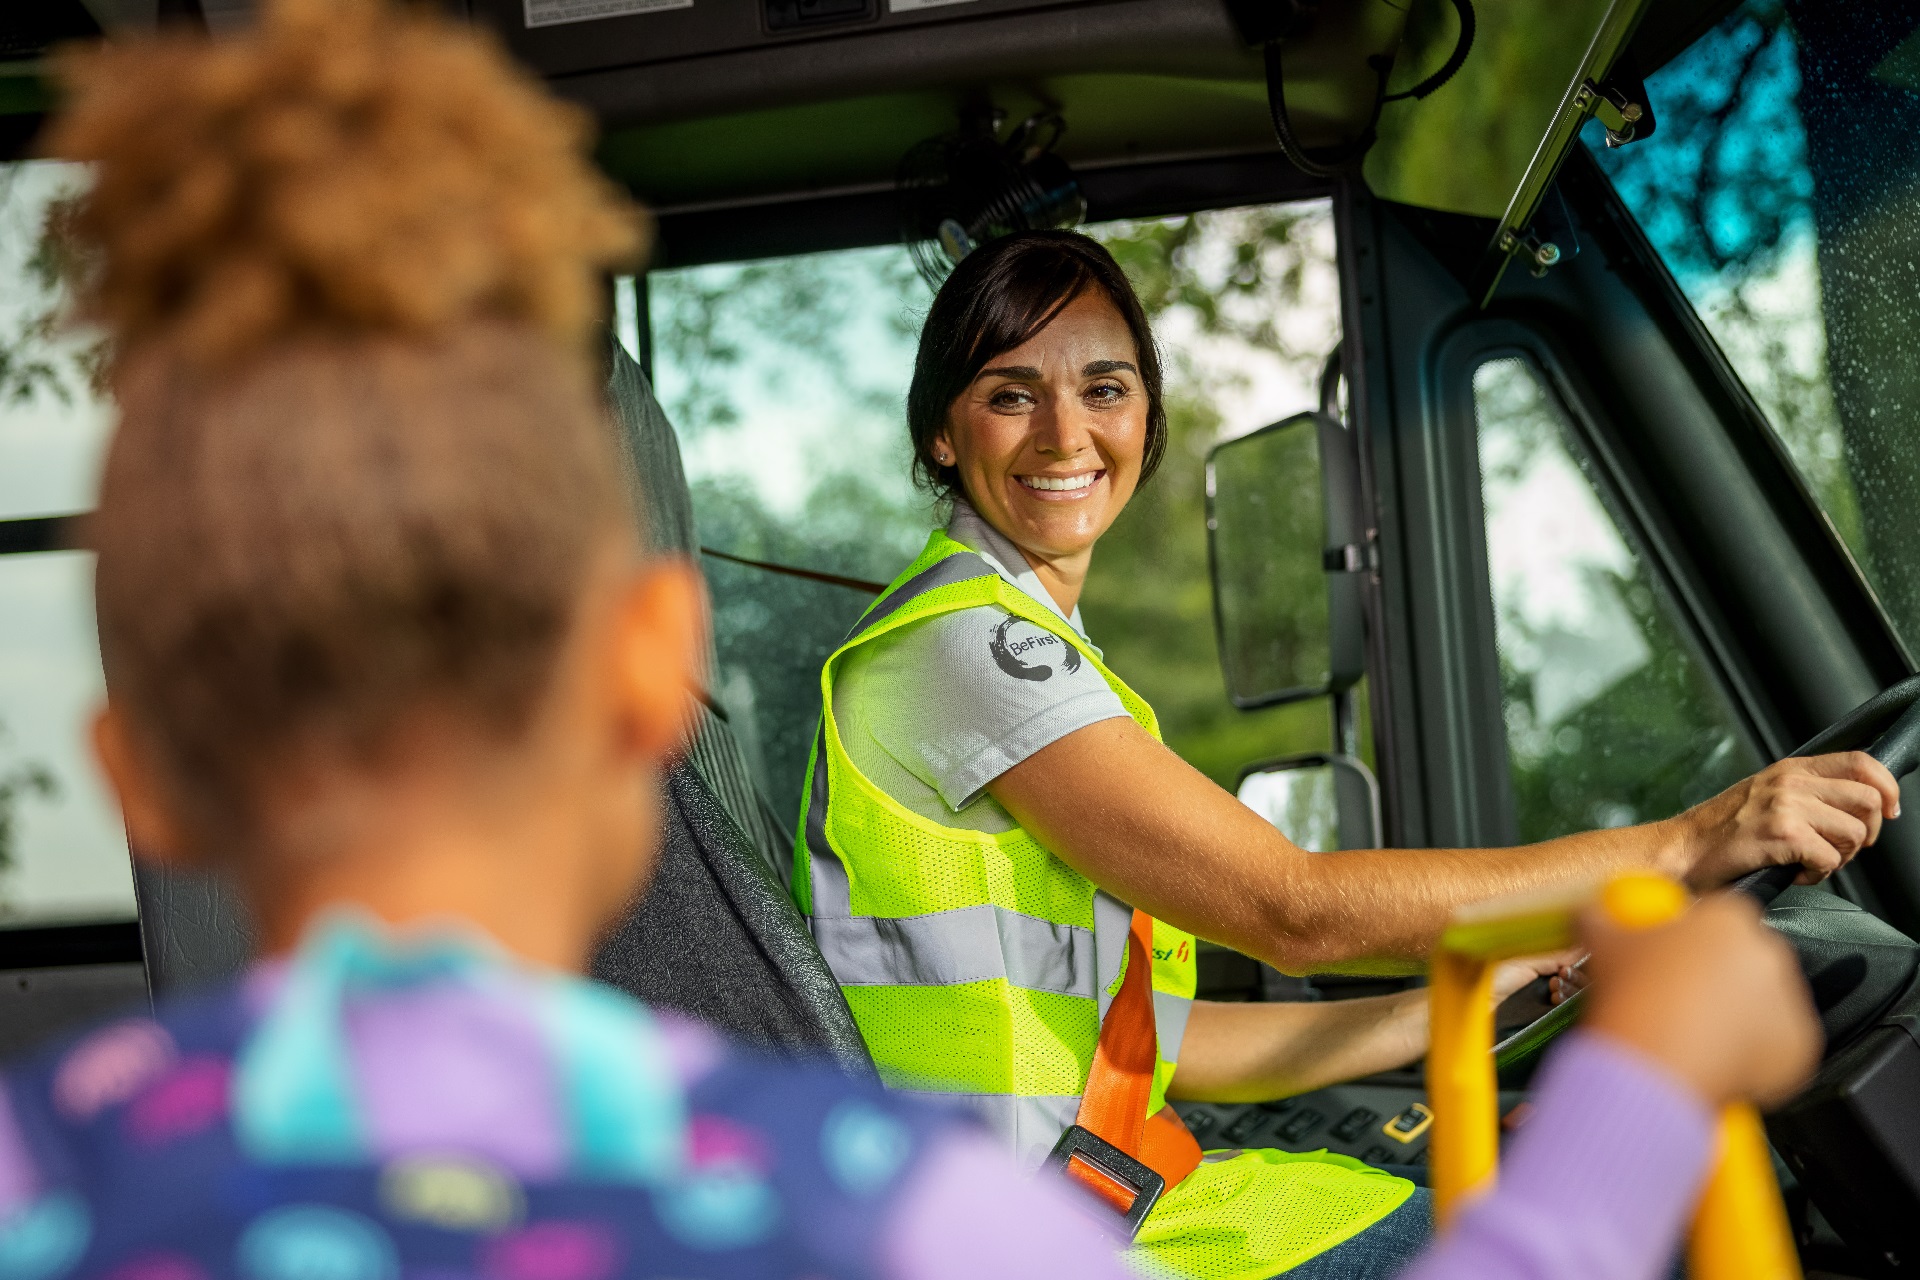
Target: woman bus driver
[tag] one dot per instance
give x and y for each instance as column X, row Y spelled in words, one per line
column 986, row 797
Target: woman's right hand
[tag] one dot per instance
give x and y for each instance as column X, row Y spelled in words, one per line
column 1714, row 997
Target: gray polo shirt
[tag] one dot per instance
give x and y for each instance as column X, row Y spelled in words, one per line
column 936, row 710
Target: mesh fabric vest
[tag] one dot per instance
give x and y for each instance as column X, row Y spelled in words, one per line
column 978, row 967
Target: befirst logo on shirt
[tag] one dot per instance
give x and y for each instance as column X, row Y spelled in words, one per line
column 1006, row 653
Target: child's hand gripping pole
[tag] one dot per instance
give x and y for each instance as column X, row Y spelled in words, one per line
column 1740, row 1227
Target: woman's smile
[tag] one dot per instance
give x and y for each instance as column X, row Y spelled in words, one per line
column 1062, row 488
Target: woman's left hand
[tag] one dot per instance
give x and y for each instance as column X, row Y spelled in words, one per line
column 1511, row 975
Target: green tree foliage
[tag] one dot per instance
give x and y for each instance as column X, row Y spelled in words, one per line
column 38, row 355
column 1653, row 743
column 1611, row 718
column 23, row 780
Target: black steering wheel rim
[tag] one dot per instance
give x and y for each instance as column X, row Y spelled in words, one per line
column 1886, row 726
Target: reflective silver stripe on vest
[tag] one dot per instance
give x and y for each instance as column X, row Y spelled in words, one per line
column 1170, row 1022
column 1112, row 922
column 958, row 567
column 827, row 879
column 1032, row 1123
column 970, row 944
column 832, row 897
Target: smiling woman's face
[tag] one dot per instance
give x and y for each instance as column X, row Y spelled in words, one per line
column 1049, row 437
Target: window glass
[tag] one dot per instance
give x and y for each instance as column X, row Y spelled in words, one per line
column 53, row 422
column 63, row 855
column 1611, row 718
column 1782, row 189
column 787, row 379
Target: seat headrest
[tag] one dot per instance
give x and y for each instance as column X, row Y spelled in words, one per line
column 654, row 474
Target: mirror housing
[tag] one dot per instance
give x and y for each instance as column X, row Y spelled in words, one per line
column 1322, row 802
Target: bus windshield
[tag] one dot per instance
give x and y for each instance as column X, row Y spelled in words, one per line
column 1782, row 189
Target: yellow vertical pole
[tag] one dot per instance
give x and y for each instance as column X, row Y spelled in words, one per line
column 1740, row 1229
column 1463, row 1149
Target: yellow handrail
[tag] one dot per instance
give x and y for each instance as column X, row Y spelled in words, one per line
column 1740, row 1227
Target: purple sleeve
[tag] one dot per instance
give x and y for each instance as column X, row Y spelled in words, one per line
column 968, row 1212
column 1597, row 1186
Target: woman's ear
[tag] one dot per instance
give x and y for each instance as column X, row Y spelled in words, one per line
column 662, row 649
column 941, row 446
column 154, row 831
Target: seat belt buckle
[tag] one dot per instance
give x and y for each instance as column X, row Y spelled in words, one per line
column 1090, row 1149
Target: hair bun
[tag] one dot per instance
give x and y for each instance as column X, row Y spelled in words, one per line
column 343, row 167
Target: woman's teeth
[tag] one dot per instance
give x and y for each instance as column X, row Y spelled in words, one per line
column 1056, row 483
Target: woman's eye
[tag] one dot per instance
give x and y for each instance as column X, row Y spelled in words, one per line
column 1107, row 393
column 1011, row 398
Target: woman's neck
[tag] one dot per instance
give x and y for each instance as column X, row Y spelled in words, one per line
column 1063, row 578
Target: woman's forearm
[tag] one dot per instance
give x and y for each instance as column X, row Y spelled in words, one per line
column 1255, row 1052
column 1138, row 821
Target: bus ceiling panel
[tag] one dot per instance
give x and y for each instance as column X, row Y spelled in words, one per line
column 718, row 57
column 799, row 151
column 849, row 219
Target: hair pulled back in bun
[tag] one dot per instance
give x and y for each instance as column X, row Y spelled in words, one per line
column 343, row 167
column 346, row 261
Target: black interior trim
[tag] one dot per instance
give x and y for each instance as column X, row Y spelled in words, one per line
column 38, row 533
column 51, row 946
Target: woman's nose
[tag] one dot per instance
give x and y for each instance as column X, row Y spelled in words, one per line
column 1060, row 429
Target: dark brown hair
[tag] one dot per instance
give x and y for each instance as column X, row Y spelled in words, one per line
column 347, row 261
column 1001, row 295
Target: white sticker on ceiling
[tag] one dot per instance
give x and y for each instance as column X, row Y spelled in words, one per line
column 908, row 6
column 553, row 13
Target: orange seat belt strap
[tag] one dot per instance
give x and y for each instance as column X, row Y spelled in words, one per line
column 1120, row 1084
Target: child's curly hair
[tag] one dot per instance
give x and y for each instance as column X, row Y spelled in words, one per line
column 342, row 167
column 346, row 262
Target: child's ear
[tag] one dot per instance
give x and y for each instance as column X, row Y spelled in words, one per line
column 154, row 832
column 662, row 649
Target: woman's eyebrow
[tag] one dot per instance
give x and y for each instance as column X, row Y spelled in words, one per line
column 1099, row 367
column 1025, row 371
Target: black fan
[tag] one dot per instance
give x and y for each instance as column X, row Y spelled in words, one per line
column 959, row 190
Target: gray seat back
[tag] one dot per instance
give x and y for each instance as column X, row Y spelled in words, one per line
column 715, row 936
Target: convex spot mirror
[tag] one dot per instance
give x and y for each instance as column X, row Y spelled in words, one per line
column 1286, row 552
column 1321, row 802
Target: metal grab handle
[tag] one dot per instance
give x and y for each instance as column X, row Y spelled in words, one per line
column 1740, row 1227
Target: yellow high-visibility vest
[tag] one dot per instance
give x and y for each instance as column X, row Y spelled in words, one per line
column 978, row 966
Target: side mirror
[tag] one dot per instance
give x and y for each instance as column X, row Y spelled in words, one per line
column 1286, row 548
column 1321, row 802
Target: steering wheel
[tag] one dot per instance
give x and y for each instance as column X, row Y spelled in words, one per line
column 1888, row 726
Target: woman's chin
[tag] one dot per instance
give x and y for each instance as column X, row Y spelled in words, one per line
column 1058, row 533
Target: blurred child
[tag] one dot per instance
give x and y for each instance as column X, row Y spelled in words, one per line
column 380, row 647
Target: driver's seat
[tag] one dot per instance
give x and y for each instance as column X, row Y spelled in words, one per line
column 715, row 935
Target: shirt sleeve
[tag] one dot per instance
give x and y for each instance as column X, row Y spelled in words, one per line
column 1598, row 1184
column 959, row 699
column 969, row 1213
